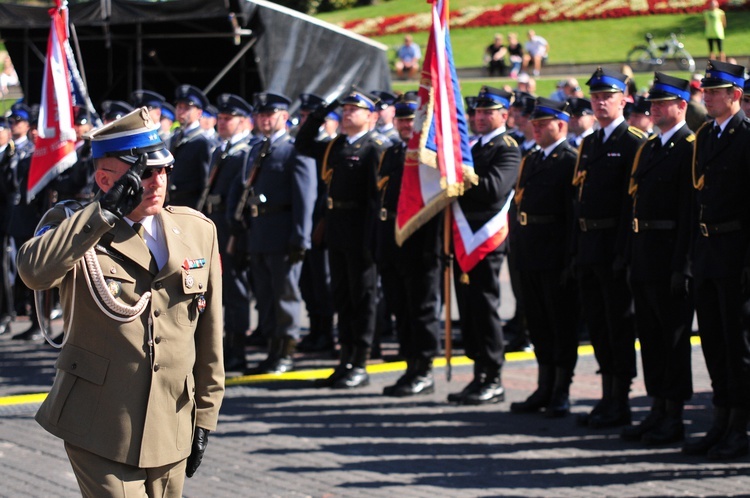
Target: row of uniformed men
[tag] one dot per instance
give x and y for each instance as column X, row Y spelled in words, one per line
column 661, row 223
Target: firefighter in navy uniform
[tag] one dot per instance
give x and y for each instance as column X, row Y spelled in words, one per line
column 386, row 115
column 350, row 165
column 411, row 273
column 544, row 201
column 226, row 164
column 601, row 230
column 280, row 186
column 25, row 215
column 720, row 259
column 191, row 148
column 496, row 162
column 661, row 188
column 8, row 161
column 315, row 281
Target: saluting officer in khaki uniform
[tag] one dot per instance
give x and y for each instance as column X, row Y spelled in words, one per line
column 140, row 376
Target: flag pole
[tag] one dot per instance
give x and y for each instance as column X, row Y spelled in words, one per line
column 447, row 292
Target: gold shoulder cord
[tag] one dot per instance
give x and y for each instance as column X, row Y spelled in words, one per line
column 519, row 191
column 327, row 174
column 579, row 177
column 697, row 182
column 633, row 186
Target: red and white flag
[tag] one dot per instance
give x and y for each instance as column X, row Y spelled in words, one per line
column 438, row 162
column 55, row 147
column 438, row 156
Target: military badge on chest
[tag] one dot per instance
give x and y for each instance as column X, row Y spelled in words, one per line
column 189, row 281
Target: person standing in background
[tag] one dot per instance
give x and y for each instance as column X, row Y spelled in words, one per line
column 715, row 21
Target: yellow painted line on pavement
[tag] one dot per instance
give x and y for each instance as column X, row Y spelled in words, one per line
column 322, row 373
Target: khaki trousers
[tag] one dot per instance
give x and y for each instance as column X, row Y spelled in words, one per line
column 100, row 477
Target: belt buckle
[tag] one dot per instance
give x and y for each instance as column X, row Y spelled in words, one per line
column 253, row 211
column 582, row 224
column 523, row 218
column 329, row 202
column 704, row 229
column 635, row 225
column 383, row 214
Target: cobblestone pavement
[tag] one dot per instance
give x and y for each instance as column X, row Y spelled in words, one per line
column 286, row 439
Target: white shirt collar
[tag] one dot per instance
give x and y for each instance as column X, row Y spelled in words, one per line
column 489, row 136
column 668, row 134
column 611, row 127
column 548, row 150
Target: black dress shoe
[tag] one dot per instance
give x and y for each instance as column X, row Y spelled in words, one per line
column 558, row 406
column 701, row 445
column 489, row 391
column 5, row 324
column 418, row 384
column 636, row 432
column 583, row 418
column 472, row 387
column 338, row 373
column 617, row 415
column 272, row 366
column 733, row 445
column 34, row 333
column 670, row 430
column 532, row 404
column 353, row 378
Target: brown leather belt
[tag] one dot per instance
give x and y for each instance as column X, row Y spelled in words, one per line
column 587, row 224
column 710, row 229
column 641, row 225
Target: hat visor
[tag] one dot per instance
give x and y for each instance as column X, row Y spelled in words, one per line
column 659, row 96
column 156, row 159
column 715, row 83
column 605, row 89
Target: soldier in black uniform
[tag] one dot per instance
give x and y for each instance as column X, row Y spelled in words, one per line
column 190, row 147
column 544, row 202
column 721, row 259
column 8, row 160
column 25, row 214
column 661, row 188
column 496, row 162
column 582, row 120
column 114, row 109
column 601, row 230
column 350, row 164
column 638, row 114
column 386, row 114
column 315, row 281
column 226, row 164
column 410, row 274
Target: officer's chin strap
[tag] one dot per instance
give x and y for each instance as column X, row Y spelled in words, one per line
column 100, row 293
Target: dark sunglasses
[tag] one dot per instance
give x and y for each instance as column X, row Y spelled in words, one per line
column 149, row 172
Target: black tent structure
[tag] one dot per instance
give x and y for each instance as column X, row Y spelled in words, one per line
column 236, row 46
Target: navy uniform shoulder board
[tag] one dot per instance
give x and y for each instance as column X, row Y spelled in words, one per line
column 636, row 132
column 510, row 141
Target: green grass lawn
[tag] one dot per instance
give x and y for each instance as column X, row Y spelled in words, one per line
column 571, row 41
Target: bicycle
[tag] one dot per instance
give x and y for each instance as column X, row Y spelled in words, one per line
column 645, row 57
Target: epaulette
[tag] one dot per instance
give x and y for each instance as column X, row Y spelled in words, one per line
column 690, row 138
column 637, row 132
column 187, row 211
column 653, row 137
column 510, row 141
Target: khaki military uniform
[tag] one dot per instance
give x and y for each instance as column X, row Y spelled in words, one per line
column 122, row 391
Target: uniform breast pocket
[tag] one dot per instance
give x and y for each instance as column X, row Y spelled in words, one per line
column 77, row 389
column 193, row 300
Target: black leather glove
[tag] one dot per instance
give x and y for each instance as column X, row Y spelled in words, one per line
column 678, row 284
column 745, row 281
column 324, row 109
column 123, row 197
column 200, row 441
column 296, row 254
